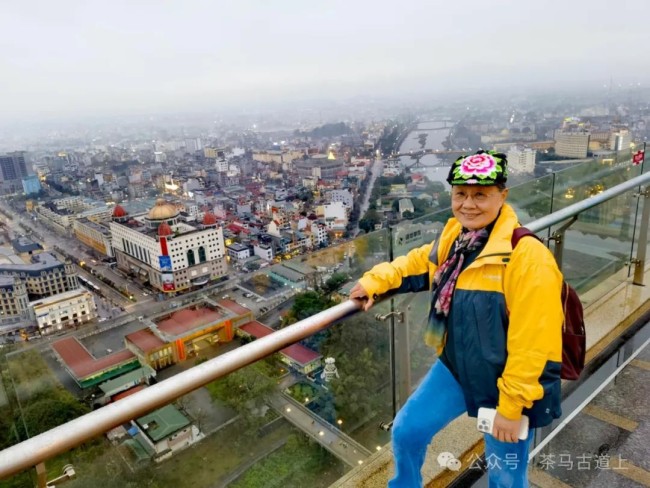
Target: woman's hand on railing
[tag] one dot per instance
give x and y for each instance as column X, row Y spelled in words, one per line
column 358, row 293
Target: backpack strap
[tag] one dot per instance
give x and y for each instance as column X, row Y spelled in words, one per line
column 520, row 232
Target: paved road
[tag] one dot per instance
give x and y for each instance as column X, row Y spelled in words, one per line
column 375, row 171
column 110, row 293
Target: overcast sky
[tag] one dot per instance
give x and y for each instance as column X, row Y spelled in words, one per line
column 81, row 57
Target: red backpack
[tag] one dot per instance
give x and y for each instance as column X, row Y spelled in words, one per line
column 574, row 339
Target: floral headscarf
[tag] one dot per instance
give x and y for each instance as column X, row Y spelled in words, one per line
column 483, row 168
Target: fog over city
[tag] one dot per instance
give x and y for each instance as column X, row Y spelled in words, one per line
column 74, row 58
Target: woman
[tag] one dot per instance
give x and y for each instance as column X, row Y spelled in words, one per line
column 495, row 321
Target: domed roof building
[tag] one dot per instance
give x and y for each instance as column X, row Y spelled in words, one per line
column 167, row 249
column 163, row 210
column 119, row 211
column 119, row 214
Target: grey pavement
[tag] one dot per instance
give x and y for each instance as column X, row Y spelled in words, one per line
column 209, row 415
column 608, row 443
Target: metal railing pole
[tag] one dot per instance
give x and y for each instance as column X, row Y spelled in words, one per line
column 639, row 262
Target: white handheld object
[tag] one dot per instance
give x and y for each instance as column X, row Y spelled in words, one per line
column 485, row 422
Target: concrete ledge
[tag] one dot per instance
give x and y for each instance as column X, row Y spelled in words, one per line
column 610, row 308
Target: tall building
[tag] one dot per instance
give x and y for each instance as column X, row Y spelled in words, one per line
column 521, row 160
column 193, row 144
column 571, row 144
column 169, row 253
column 620, row 140
column 13, row 168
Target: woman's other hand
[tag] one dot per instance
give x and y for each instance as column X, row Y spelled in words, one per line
column 358, row 293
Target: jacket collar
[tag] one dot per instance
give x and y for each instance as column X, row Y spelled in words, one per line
column 498, row 245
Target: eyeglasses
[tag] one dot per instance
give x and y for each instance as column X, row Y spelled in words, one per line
column 478, row 197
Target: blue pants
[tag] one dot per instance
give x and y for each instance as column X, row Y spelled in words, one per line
column 437, row 401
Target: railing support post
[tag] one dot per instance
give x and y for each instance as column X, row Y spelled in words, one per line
column 558, row 237
column 399, row 345
column 639, row 262
column 403, row 363
column 41, row 475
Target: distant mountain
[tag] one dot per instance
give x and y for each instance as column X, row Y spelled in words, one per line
column 327, row 130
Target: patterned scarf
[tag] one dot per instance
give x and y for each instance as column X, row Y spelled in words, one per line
column 444, row 282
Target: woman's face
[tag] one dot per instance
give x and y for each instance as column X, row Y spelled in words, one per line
column 475, row 207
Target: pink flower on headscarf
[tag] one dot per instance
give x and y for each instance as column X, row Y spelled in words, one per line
column 477, row 164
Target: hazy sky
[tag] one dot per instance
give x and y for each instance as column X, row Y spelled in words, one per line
column 81, row 57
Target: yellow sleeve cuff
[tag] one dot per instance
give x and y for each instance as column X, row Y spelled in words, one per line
column 509, row 410
column 367, row 284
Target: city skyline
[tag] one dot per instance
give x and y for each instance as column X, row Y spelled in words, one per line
column 77, row 59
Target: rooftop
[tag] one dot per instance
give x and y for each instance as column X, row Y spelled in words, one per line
column 145, row 340
column 299, row 267
column 99, row 227
column 234, row 307
column 163, row 422
column 61, row 297
column 39, row 262
column 81, row 363
column 135, row 375
column 236, row 246
column 287, row 273
column 163, row 210
column 23, row 244
column 187, row 320
column 129, row 392
column 296, row 352
column 180, row 228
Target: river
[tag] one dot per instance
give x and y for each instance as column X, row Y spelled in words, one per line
column 437, row 131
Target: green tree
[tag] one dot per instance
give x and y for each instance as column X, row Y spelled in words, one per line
column 335, row 282
column 246, row 391
column 47, row 413
column 444, row 200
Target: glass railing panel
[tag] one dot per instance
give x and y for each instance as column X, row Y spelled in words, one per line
column 280, row 419
column 539, row 197
column 416, row 357
column 597, row 247
column 12, row 428
column 533, row 199
column 583, row 181
column 350, row 258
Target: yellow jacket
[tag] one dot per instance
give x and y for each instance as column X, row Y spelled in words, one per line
column 507, row 317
